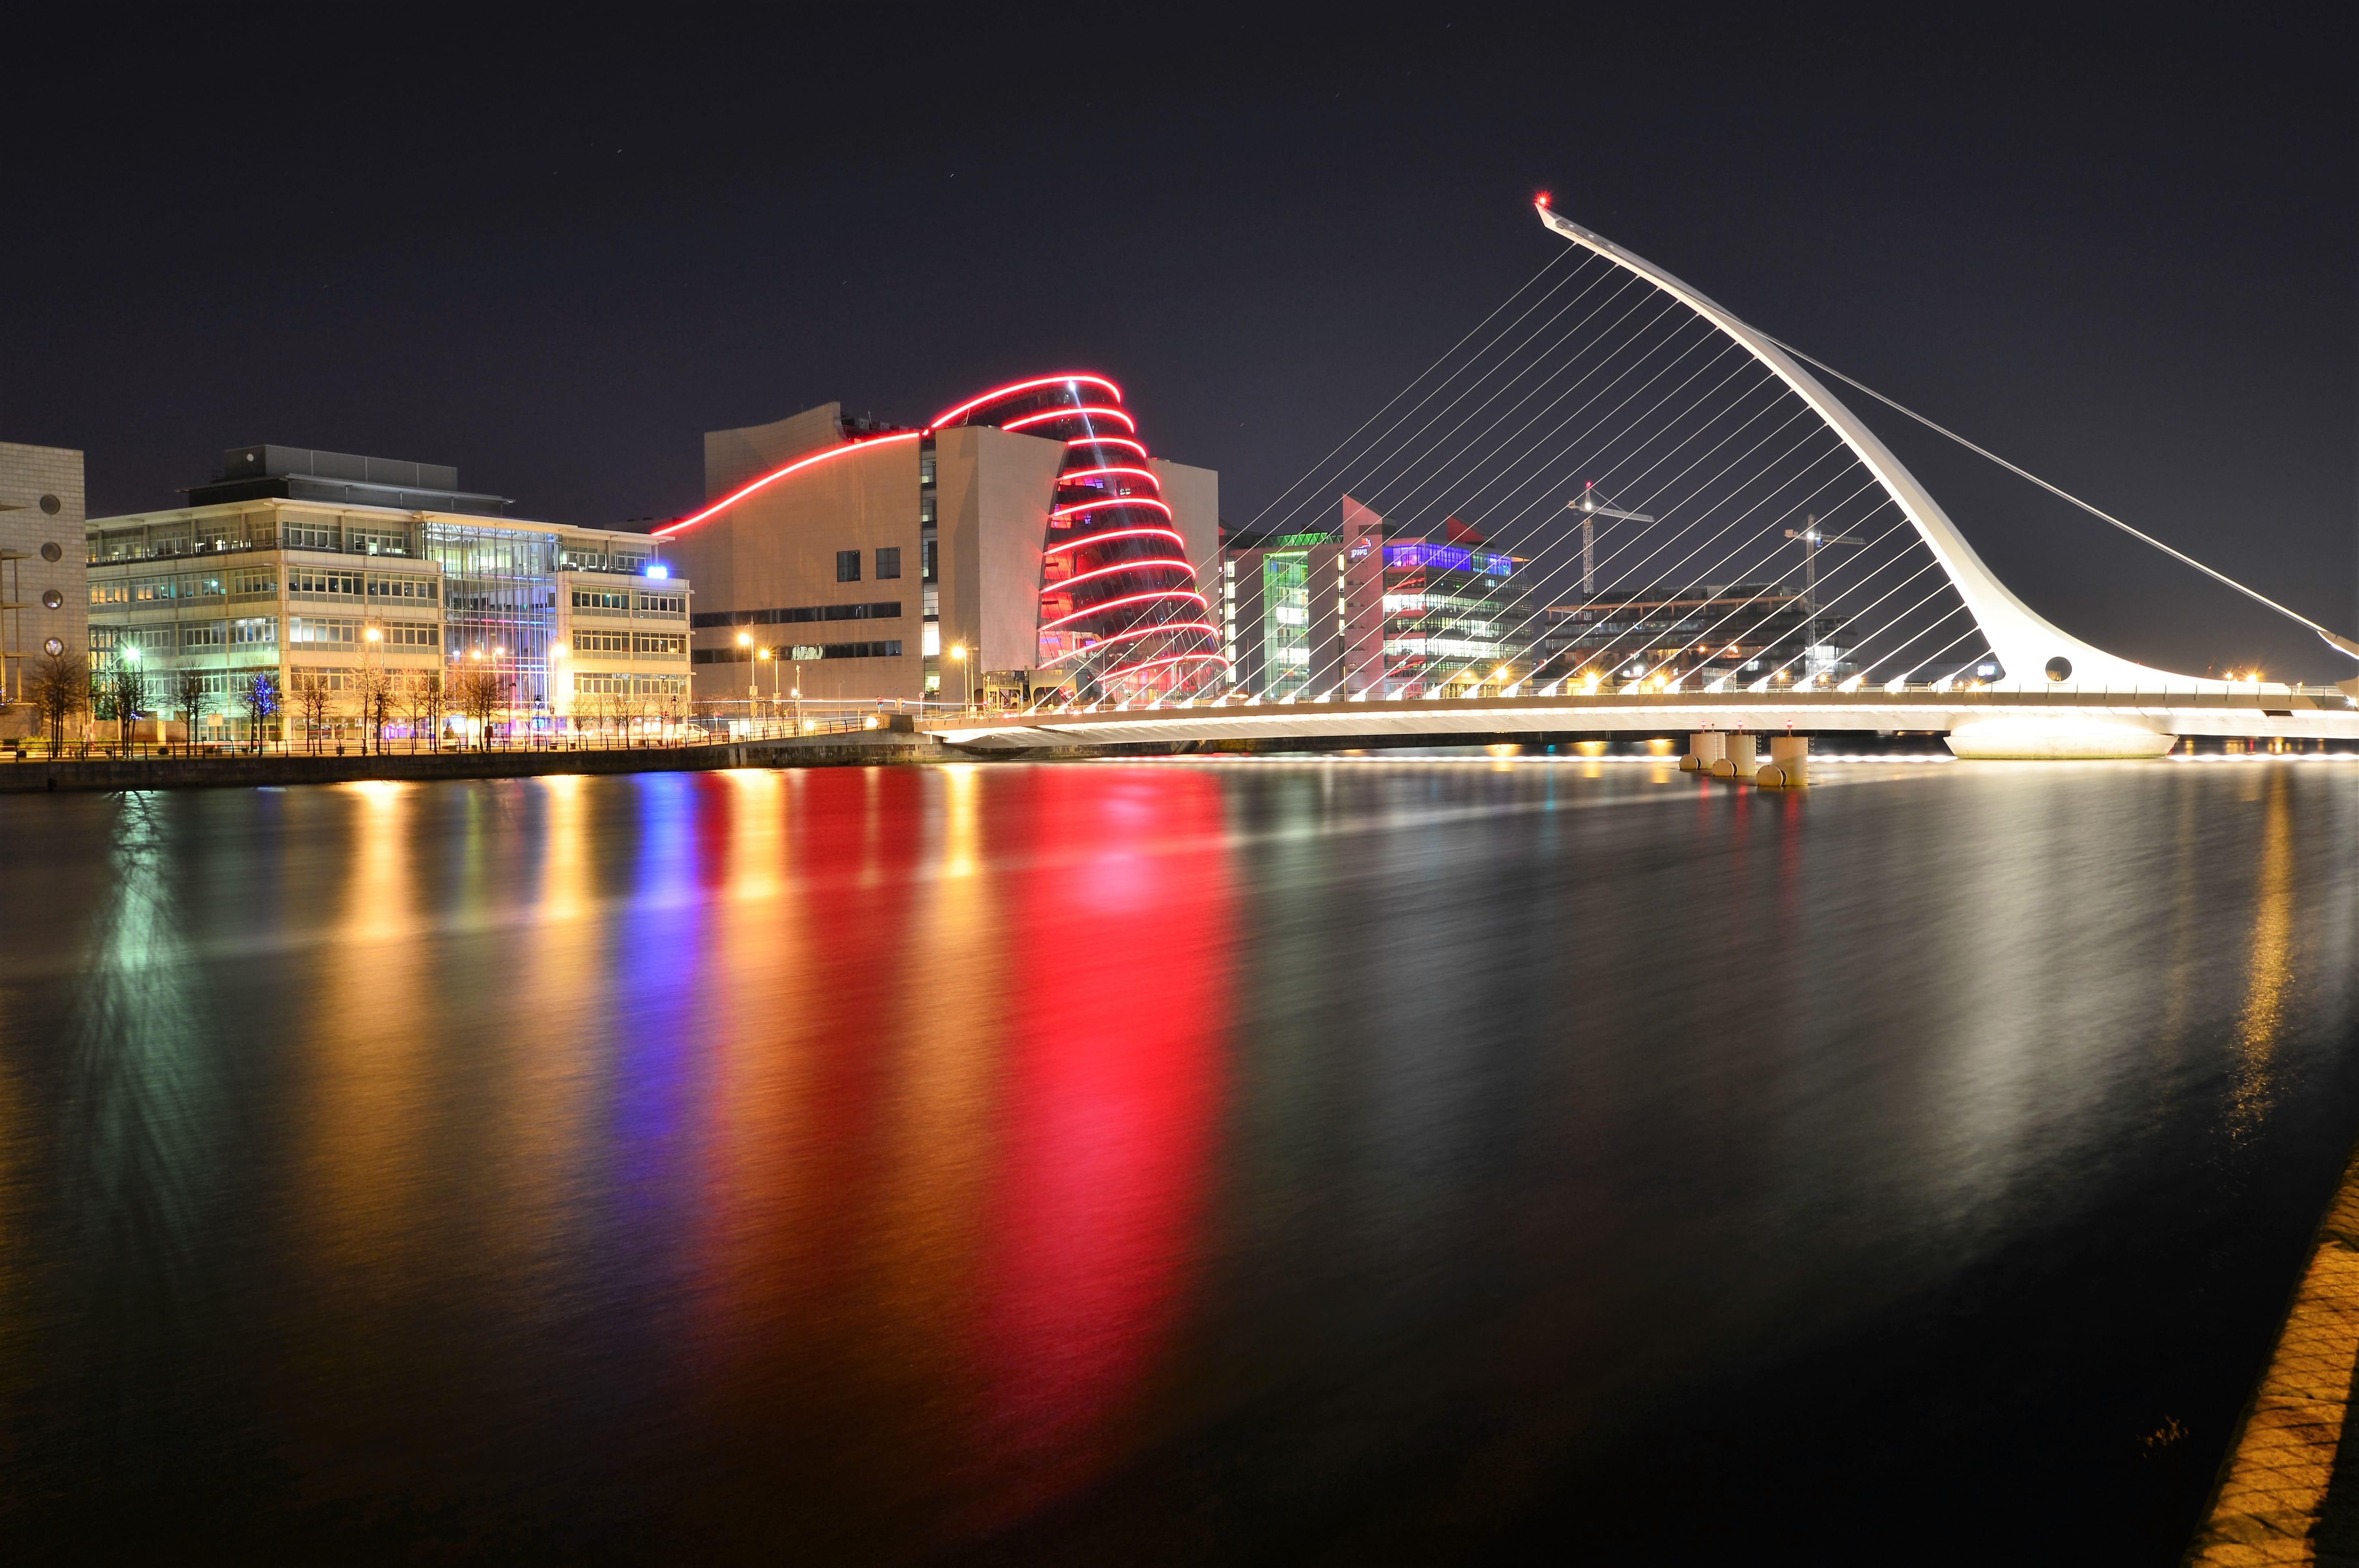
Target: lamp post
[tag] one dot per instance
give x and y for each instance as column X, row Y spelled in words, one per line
column 373, row 635
column 958, row 656
column 760, row 656
column 745, row 641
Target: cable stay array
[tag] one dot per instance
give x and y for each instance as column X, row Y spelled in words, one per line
column 1605, row 487
column 1598, row 490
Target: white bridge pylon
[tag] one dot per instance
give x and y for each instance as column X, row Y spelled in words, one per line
column 2031, row 652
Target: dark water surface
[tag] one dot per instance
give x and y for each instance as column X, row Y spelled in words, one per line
column 1323, row 1161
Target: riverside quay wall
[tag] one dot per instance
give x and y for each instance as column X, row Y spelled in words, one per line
column 36, row 776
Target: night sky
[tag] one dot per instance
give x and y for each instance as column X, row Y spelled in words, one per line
column 2121, row 253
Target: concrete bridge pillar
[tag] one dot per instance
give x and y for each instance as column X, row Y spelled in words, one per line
column 1788, row 765
column 1703, row 750
column 1736, row 759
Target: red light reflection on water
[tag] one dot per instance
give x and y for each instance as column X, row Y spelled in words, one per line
column 1112, row 1088
column 966, row 1033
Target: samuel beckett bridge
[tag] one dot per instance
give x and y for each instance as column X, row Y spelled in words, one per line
column 1659, row 521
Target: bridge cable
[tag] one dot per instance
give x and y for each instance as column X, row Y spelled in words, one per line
column 2343, row 644
column 1420, row 375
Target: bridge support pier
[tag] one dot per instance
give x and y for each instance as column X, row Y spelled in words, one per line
column 1789, row 764
column 1737, row 759
column 1705, row 748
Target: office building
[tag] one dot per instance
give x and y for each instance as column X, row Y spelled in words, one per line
column 1022, row 545
column 41, row 596
column 294, row 561
column 1739, row 633
column 1362, row 608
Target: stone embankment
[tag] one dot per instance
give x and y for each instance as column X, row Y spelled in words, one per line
column 2288, row 1491
column 853, row 749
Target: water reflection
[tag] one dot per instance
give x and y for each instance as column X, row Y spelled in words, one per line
column 2268, row 967
column 888, row 1162
column 143, row 1150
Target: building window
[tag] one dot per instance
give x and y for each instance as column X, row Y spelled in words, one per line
column 888, row 562
column 847, row 566
column 925, row 559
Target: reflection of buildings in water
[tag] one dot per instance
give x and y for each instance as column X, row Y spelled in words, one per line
column 2269, row 967
column 148, row 1120
column 363, row 1132
column 1113, row 1091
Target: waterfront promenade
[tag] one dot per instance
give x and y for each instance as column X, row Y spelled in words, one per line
column 48, row 776
column 2288, row 1491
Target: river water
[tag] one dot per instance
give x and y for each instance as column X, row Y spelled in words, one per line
column 1459, row 1159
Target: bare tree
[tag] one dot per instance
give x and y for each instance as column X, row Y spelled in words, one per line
column 373, row 696
column 478, row 690
column 194, row 693
column 313, row 694
column 122, row 691
column 60, row 688
column 258, row 695
column 421, row 705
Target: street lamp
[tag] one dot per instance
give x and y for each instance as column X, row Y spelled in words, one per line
column 760, row 656
column 958, row 654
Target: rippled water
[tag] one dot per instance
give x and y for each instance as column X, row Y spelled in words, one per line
column 1343, row 1161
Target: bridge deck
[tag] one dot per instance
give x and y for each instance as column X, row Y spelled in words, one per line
column 2293, row 715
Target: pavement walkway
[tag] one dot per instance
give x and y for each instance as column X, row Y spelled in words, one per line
column 2289, row 1490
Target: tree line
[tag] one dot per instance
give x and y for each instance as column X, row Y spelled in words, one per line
column 61, row 687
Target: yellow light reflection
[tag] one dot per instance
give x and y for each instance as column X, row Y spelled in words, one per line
column 2269, row 967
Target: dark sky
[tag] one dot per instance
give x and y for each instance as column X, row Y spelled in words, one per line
column 2120, row 251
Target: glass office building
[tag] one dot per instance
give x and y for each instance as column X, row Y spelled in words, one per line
column 299, row 562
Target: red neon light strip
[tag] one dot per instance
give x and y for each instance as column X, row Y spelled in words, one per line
column 1048, row 589
column 1204, row 626
column 1172, row 659
column 1088, row 539
column 1108, row 441
column 734, row 497
column 1074, row 476
column 1045, row 415
column 1103, row 605
column 1012, row 388
column 1109, row 505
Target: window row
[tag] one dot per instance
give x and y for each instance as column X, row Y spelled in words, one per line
column 630, row 685
column 882, row 610
column 803, row 652
column 623, row 601
column 668, row 644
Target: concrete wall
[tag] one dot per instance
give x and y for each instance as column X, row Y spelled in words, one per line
column 733, row 457
column 33, row 478
column 777, row 550
column 1194, row 496
column 994, row 491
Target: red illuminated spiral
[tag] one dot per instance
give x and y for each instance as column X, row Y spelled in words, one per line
column 1118, row 600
